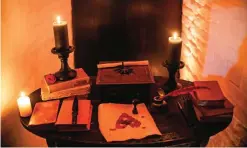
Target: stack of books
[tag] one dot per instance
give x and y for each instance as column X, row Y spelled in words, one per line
column 48, row 116
column 210, row 104
column 52, row 89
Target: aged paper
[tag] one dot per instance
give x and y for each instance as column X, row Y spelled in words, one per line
column 109, row 115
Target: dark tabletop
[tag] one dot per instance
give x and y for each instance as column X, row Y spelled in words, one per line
column 175, row 129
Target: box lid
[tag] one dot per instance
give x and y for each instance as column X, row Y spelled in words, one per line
column 124, row 72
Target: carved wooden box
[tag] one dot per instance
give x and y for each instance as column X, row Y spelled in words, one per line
column 121, row 82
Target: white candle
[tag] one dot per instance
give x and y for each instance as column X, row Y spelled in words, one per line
column 24, row 105
column 174, row 49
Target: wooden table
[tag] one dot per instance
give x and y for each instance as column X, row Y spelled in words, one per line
column 172, row 124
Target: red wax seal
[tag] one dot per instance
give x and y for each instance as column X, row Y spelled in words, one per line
column 50, row 78
column 125, row 120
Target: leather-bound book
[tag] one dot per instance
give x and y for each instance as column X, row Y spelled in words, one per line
column 225, row 117
column 81, row 79
column 213, row 114
column 83, row 90
column 84, row 113
column 44, row 115
column 215, row 111
column 211, row 95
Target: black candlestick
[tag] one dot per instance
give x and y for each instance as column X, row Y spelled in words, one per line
column 172, row 68
column 65, row 72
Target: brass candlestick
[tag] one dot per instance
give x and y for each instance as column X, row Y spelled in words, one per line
column 172, row 68
column 65, row 72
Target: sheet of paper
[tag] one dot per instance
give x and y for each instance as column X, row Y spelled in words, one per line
column 114, row 124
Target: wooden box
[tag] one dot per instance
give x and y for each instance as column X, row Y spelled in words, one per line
column 116, row 86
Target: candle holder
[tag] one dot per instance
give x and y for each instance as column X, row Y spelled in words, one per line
column 173, row 69
column 65, row 72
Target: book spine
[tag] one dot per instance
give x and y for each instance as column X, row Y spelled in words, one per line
column 80, row 91
column 213, row 104
column 68, row 84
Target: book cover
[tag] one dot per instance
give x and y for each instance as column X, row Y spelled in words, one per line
column 44, row 114
column 83, row 90
column 210, row 111
column 64, row 120
column 212, row 95
column 219, row 118
column 81, row 79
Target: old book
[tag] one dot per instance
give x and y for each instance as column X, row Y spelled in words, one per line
column 226, row 108
column 83, row 90
column 217, row 118
column 44, row 114
column 81, row 79
column 64, row 120
column 211, row 96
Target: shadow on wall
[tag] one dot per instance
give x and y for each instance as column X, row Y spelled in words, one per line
column 123, row 30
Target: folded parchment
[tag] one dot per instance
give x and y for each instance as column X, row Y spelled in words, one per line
column 117, row 123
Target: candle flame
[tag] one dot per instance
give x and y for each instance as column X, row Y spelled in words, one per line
column 22, row 94
column 175, row 35
column 58, row 19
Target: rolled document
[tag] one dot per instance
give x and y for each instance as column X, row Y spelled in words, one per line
column 127, row 63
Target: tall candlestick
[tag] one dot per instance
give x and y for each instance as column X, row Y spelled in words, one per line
column 174, row 49
column 24, row 105
column 60, row 34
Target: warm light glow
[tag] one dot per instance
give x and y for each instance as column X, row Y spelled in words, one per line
column 175, row 39
column 58, row 20
column 24, row 105
column 22, row 94
column 175, row 35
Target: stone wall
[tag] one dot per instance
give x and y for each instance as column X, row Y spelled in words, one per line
column 214, row 46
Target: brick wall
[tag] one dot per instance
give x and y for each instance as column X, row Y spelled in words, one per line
column 214, row 34
column 27, row 39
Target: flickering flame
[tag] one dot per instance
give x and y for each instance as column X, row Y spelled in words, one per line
column 22, row 94
column 58, row 20
column 175, row 35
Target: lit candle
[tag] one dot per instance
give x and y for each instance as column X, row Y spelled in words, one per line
column 174, row 49
column 24, row 105
column 60, row 34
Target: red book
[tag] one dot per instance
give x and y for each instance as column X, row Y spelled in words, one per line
column 205, row 113
column 44, row 114
column 64, row 120
column 211, row 95
column 217, row 118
